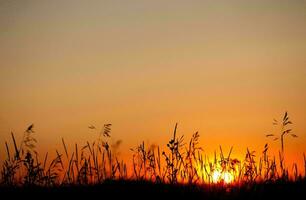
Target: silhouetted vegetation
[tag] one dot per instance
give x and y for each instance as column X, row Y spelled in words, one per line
column 181, row 167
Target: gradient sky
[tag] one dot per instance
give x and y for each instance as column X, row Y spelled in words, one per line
column 223, row 68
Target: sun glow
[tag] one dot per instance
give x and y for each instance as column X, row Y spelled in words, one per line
column 228, row 177
column 225, row 177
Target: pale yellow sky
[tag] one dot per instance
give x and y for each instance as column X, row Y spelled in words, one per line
column 223, row 68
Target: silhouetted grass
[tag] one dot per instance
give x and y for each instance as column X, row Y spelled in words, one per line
column 181, row 169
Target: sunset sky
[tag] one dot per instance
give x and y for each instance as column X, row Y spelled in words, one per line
column 223, row 68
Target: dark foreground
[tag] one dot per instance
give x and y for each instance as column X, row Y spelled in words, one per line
column 147, row 190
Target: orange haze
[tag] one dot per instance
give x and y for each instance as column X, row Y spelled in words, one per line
column 223, row 68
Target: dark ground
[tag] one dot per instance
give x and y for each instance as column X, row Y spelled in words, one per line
column 147, row 190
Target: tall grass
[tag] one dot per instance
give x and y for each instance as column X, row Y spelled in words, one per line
column 180, row 162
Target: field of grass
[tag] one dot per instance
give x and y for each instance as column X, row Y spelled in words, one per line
column 181, row 169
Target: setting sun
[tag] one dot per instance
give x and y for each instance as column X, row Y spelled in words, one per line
column 228, row 177
column 225, row 177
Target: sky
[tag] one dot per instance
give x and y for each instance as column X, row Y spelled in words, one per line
column 223, row 68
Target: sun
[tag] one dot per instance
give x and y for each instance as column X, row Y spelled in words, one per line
column 225, row 177
column 228, row 177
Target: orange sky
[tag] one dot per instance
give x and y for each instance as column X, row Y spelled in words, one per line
column 223, row 68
